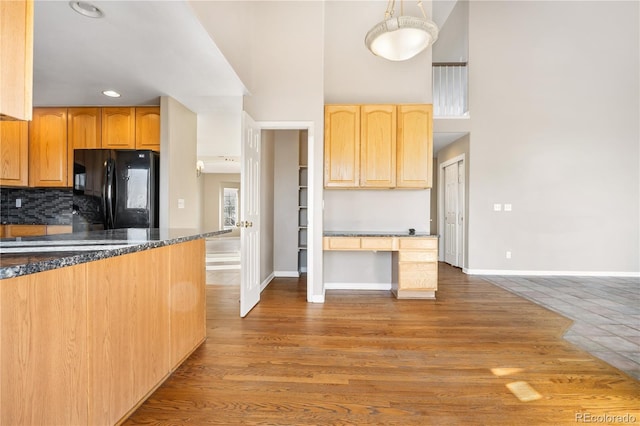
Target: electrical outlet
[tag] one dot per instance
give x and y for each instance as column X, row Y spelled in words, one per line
column 18, row 202
column 508, row 255
column 181, row 203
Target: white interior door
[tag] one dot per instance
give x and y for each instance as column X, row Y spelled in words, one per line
column 451, row 212
column 249, row 216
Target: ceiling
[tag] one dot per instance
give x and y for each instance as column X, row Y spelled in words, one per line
column 142, row 49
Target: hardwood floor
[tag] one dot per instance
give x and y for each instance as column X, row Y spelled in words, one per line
column 367, row 358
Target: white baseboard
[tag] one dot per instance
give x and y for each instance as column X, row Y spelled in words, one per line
column 357, row 286
column 266, row 282
column 286, row 274
column 550, row 273
column 316, row 299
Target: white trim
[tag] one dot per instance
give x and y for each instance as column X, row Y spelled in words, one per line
column 286, row 274
column 266, row 282
column 317, row 299
column 303, row 270
column 551, row 273
column 441, row 214
column 357, row 286
column 314, row 230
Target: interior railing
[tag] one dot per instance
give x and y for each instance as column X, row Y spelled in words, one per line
column 450, row 89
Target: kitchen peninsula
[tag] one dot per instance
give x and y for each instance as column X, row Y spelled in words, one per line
column 91, row 323
column 414, row 267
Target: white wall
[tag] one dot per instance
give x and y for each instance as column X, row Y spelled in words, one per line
column 453, row 39
column 267, row 158
column 220, row 130
column 177, row 167
column 277, row 50
column 285, row 215
column 555, row 131
column 213, row 185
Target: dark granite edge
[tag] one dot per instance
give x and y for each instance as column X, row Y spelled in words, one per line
column 90, row 256
column 375, row 234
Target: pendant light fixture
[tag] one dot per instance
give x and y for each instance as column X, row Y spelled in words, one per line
column 403, row 37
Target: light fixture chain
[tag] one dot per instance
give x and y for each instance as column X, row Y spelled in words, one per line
column 391, row 4
column 424, row 14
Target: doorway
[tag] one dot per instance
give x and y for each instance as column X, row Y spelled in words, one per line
column 452, row 210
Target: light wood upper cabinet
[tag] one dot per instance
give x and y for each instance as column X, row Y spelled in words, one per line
column 341, row 146
column 415, row 146
column 378, row 146
column 118, row 128
column 84, row 127
column 148, row 128
column 48, row 148
column 16, row 59
column 14, row 153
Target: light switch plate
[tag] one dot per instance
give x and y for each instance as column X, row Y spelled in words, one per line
column 18, row 202
column 497, row 207
column 181, row 203
column 507, row 207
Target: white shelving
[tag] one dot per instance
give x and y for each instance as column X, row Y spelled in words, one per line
column 303, row 193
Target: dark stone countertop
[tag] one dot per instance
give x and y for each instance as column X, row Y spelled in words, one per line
column 375, row 234
column 29, row 255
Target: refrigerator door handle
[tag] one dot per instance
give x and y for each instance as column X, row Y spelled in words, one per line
column 109, row 172
column 105, row 177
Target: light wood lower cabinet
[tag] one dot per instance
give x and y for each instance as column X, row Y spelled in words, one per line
column 43, row 348
column 87, row 344
column 128, row 331
column 187, row 300
column 12, row 231
column 414, row 266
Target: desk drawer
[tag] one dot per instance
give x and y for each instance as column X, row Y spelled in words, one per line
column 418, row 256
column 374, row 243
column 341, row 243
column 418, row 243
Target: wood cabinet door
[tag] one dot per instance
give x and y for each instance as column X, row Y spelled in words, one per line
column 43, row 347
column 128, row 331
column 84, row 128
column 187, row 299
column 415, row 146
column 341, row 146
column 148, row 128
column 14, row 153
column 378, row 146
column 118, row 128
column 16, row 59
column 48, row 148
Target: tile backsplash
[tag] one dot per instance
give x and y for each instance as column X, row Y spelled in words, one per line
column 49, row 206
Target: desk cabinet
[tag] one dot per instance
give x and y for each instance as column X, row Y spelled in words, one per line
column 414, row 268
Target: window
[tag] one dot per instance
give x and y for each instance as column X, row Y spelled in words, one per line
column 229, row 208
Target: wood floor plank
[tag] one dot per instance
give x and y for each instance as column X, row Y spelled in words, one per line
column 367, row 358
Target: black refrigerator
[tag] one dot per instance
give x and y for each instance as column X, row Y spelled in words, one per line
column 115, row 189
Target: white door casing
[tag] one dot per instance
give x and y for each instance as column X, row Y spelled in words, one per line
column 451, row 211
column 249, row 216
column 451, row 214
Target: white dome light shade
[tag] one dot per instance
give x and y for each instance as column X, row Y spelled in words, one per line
column 401, row 38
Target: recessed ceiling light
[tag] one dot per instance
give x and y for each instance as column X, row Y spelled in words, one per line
column 86, row 9
column 111, row 93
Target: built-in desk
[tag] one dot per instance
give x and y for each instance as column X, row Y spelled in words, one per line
column 414, row 269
